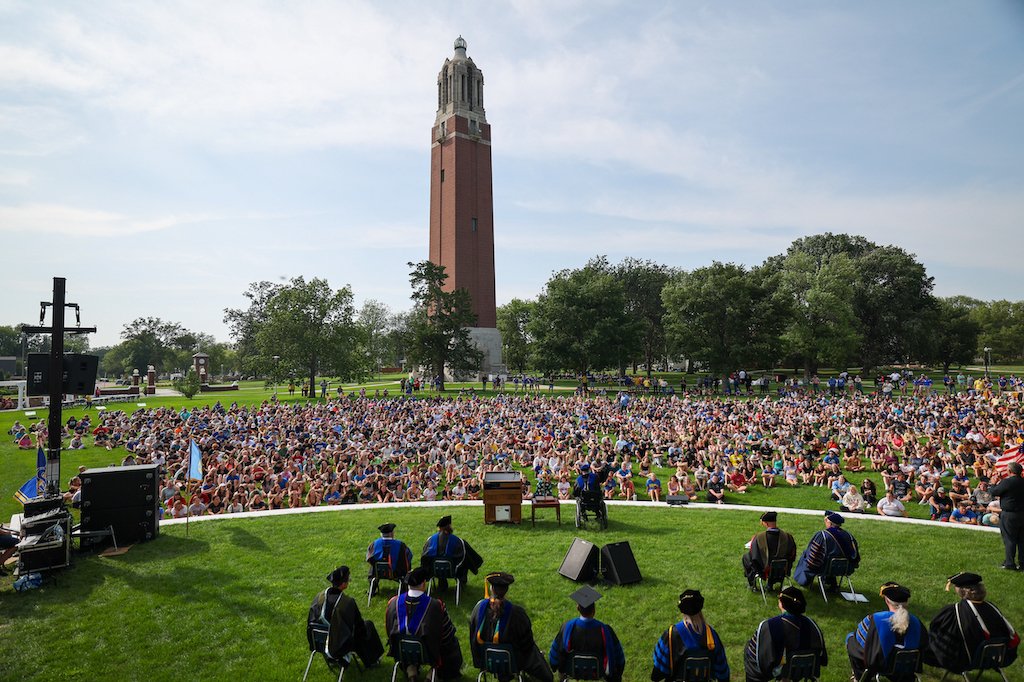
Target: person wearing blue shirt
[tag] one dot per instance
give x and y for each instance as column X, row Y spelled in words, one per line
column 589, row 636
column 691, row 636
column 881, row 634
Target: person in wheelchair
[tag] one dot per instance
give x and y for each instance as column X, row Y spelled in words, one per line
column 418, row 615
column 444, row 544
column 395, row 552
column 881, row 634
column 587, row 636
column 348, row 632
column 497, row 620
column 778, row 638
column 588, row 487
column 692, row 636
column 958, row 630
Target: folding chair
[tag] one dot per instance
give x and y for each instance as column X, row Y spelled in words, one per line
column 445, row 569
column 838, row 568
column 903, row 665
column 778, row 573
column 802, row 665
column 411, row 654
column 500, row 661
column 320, row 633
column 696, row 667
column 381, row 571
column 583, row 667
column 990, row 655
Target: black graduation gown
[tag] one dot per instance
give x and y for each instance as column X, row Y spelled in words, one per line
column 777, row 637
column 591, row 636
column 435, row 630
column 955, row 634
column 517, row 633
column 347, row 630
column 870, row 646
column 765, row 547
column 451, row 546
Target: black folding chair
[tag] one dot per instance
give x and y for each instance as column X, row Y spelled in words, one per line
column 836, row 569
column 500, row 661
column 990, row 655
column 381, row 571
column 411, row 656
column 777, row 574
column 320, row 633
column 903, row 666
column 583, row 667
column 444, row 569
column 802, row 665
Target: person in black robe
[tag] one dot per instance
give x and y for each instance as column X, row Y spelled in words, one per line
column 693, row 635
column 783, row 635
column 347, row 632
column 587, row 635
column 958, row 630
column 445, row 544
column 395, row 552
column 767, row 546
column 416, row 613
column 497, row 620
column 881, row 634
column 831, row 542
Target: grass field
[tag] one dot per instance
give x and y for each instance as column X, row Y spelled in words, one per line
column 229, row 600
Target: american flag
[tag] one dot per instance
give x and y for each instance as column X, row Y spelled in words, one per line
column 1014, row 454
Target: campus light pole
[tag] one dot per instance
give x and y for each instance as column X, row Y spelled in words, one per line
column 988, row 359
column 277, row 365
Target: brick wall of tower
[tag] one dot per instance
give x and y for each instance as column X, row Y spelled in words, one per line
column 464, row 194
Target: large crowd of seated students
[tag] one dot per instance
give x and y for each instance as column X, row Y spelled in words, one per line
column 937, row 450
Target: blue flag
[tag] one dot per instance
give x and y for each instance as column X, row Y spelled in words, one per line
column 34, row 486
column 195, row 463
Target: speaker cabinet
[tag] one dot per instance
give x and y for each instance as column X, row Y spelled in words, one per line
column 677, row 500
column 116, row 487
column 619, row 564
column 130, row 524
column 79, row 374
column 580, row 562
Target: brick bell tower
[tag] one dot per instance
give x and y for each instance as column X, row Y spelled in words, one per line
column 461, row 202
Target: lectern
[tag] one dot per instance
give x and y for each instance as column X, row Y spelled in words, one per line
column 503, row 497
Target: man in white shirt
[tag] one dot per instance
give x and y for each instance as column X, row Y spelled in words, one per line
column 890, row 506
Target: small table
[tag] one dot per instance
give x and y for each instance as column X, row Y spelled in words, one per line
column 545, row 503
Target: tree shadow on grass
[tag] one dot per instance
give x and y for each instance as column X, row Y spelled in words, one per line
column 245, row 539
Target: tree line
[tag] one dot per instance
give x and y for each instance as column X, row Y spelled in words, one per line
column 831, row 300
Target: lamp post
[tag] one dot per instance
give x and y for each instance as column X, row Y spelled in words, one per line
column 988, row 359
column 277, row 364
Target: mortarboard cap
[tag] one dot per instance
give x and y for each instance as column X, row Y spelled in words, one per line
column 835, row 518
column 338, row 575
column 500, row 579
column 895, row 592
column 963, row 580
column 444, row 522
column 793, row 600
column 691, row 602
column 386, row 528
column 417, row 576
column 770, row 516
column 586, row 596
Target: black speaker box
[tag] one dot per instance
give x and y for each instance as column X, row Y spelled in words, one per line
column 79, row 377
column 130, row 524
column 677, row 500
column 619, row 564
column 580, row 562
column 117, row 487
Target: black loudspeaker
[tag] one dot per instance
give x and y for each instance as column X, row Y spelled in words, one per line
column 619, row 565
column 580, row 562
column 130, row 524
column 677, row 500
column 41, row 505
column 125, row 498
column 117, row 487
column 79, row 376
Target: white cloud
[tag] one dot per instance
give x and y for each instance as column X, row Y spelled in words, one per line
column 83, row 222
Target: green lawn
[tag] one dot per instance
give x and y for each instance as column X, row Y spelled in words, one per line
column 229, row 600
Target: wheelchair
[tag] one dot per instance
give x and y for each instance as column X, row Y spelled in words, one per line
column 590, row 508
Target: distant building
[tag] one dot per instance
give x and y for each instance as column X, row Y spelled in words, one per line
column 8, row 366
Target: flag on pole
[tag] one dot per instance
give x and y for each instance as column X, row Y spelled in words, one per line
column 1014, row 454
column 195, row 463
column 34, row 486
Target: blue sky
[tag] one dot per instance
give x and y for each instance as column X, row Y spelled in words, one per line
column 161, row 156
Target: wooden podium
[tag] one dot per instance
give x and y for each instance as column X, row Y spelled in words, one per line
column 503, row 497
